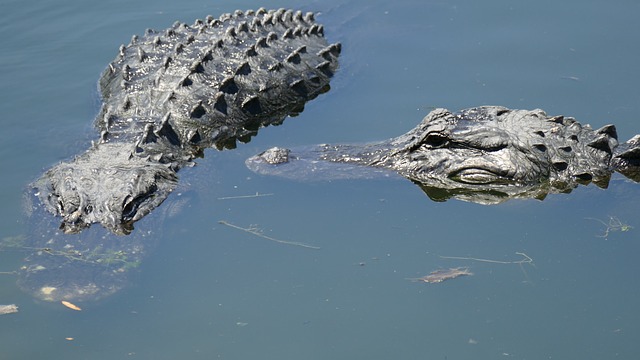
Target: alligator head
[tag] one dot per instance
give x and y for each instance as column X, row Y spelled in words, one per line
column 109, row 185
column 484, row 154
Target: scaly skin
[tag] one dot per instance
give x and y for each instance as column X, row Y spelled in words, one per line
column 171, row 94
column 485, row 154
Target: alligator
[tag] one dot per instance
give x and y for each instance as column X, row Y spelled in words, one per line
column 485, row 154
column 167, row 96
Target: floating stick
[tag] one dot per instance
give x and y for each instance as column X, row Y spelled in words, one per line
column 526, row 260
column 257, row 194
column 257, row 232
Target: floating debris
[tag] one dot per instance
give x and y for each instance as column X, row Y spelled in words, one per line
column 8, row 309
column 526, row 259
column 614, row 224
column 441, row 275
column 257, row 194
column 71, row 306
column 258, row 232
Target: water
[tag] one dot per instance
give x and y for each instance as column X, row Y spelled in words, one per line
column 211, row 291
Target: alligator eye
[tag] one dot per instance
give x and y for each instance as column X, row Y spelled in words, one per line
column 435, row 140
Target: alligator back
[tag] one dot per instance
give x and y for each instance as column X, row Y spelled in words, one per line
column 216, row 80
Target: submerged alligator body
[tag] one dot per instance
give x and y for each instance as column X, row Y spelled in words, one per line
column 484, row 154
column 167, row 96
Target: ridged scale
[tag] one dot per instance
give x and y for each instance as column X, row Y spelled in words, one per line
column 219, row 79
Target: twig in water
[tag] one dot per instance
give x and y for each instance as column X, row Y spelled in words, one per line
column 244, row 196
column 525, row 260
column 257, row 232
